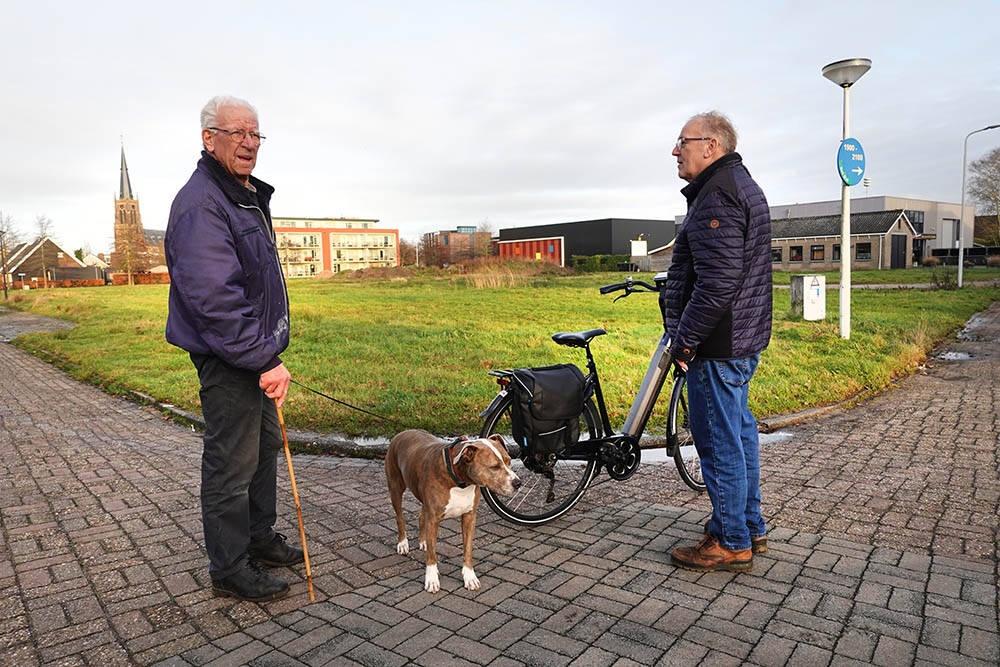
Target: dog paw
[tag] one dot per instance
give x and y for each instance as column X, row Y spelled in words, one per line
column 432, row 584
column 403, row 547
column 422, row 545
column 471, row 580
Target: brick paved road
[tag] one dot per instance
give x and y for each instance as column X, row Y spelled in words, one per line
column 884, row 548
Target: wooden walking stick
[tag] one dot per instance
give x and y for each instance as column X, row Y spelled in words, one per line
column 298, row 505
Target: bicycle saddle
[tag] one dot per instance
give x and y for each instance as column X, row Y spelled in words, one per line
column 578, row 338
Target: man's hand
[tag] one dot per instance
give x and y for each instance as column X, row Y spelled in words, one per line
column 275, row 383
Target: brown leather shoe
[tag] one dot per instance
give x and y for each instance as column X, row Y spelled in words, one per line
column 708, row 556
column 758, row 544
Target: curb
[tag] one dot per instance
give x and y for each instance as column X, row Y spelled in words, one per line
column 301, row 442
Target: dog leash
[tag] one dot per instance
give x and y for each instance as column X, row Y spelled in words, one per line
column 346, row 404
column 388, row 420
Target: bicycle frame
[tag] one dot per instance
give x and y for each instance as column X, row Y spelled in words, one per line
column 645, row 399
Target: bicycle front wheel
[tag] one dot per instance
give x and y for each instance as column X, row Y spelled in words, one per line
column 680, row 438
column 546, row 492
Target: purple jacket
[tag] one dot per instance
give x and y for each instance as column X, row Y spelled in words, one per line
column 718, row 294
column 227, row 292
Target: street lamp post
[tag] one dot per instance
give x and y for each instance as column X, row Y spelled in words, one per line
column 961, row 211
column 845, row 73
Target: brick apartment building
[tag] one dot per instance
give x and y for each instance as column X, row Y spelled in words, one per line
column 310, row 247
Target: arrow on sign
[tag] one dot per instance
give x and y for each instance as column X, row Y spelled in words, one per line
column 858, row 170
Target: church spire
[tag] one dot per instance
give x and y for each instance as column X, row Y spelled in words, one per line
column 126, row 186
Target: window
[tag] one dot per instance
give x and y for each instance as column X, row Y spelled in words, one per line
column 836, row 252
column 817, row 253
column 775, row 255
column 795, row 253
column 863, row 251
column 916, row 218
column 953, row 223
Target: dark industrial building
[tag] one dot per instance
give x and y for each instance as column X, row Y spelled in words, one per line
column 558, row 242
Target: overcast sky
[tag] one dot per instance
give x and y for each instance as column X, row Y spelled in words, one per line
column 427, row 115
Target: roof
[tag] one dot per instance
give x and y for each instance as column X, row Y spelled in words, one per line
column 154, row 236
column 877, row 222
column 26, row 250
column 663, row 248
column 125, row 189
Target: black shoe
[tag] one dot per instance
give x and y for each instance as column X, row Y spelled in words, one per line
column 250, row 583
column 276, row 553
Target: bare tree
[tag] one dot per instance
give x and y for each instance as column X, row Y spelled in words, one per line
column 984, row 186
column 131, row 253
column 430, row 253
column 43, row 224
column 9, row 237
column 407, row 252
column 482, row 239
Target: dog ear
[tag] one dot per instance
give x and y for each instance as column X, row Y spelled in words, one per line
column 498, row 439
column 466, row 453
column 469, row 452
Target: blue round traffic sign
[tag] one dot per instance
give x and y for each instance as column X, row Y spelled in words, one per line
column 851, row 161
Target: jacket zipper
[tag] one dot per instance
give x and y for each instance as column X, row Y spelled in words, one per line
column 277, row 259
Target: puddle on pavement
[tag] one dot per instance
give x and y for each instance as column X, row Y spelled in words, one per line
column 954, row 356
column 969, row 332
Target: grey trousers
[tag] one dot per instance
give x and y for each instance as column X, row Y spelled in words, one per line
column 238, row 464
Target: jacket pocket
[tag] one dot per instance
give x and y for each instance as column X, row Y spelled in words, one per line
column 737, row 372
column 252, row 248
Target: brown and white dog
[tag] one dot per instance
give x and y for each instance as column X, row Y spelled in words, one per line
column 445, row 477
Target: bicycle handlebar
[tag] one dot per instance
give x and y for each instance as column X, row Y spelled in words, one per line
column 608, row 289
column 629, row 286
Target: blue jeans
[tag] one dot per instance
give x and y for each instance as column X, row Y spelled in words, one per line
column 725, row 435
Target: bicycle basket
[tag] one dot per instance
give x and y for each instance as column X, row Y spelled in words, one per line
column 548, row 402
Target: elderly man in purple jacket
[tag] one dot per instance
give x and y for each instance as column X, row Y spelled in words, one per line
column 719, row 320
column 229, row 311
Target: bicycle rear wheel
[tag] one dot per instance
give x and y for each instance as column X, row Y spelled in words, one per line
column 547, row 492
column 680, row 438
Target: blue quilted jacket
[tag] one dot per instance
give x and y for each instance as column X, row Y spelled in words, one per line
column 718, row 293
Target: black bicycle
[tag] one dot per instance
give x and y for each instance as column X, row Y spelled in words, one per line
column 552, row 482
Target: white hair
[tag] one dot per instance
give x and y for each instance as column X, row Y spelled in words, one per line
column 211, row 110
column 717, row 125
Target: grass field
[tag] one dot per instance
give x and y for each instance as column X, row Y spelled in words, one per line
column 899, row 276
column 418, row 349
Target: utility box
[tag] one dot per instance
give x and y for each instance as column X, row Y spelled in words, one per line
column 809, row 297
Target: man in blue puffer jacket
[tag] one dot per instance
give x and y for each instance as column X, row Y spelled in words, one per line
column 229, row 310
column 719, row 320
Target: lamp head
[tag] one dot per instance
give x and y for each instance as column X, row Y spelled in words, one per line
column 845, row 72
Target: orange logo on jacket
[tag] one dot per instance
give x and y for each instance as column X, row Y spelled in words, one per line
column 714, row 224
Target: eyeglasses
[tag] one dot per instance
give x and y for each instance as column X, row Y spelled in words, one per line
column 240, row 135
column 683, row 140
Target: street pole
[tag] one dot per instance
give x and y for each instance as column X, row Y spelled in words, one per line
column 961, row 211
column 845, row 74
column 845, row 234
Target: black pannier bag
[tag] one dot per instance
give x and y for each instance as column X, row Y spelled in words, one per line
column 547, row 406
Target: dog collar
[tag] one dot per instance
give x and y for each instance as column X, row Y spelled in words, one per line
column 451, row 468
